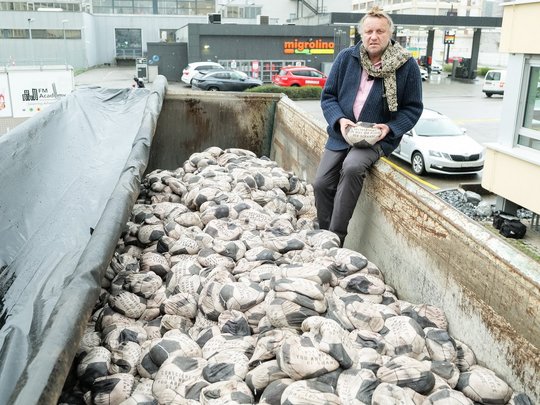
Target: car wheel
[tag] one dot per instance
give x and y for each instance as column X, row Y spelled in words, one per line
column 489, row 94
column 417, row 163
column 213, row 88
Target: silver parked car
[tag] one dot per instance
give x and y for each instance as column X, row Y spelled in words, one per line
column 437, row 145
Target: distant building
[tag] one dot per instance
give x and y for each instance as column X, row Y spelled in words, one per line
column 471, row 8
column 95, row 32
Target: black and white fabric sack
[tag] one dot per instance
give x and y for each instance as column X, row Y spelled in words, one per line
column 509, row 226
column 513, row 228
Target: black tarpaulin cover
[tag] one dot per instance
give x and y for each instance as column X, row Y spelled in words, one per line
column 73, row 168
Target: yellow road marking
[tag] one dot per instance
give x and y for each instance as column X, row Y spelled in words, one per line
column 412, row 176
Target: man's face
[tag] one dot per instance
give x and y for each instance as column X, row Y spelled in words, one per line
column 375, row 35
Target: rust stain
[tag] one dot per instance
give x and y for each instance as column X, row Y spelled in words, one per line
column 405, row 214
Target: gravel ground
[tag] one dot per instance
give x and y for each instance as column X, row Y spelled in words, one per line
column 474, row 206
column 483, row 210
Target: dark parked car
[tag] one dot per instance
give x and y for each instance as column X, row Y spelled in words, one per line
column 224, row 80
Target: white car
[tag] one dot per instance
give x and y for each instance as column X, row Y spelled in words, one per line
column 494, row 82
column 436, row 68
column 194, row 68
column 437, row 145
column 423, row 73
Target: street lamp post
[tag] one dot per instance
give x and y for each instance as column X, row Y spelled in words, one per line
column 30, row 21
column 65, row 43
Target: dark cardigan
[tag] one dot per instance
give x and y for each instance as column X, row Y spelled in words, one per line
column 340, row 91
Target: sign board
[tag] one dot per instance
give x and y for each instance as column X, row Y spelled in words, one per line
column 449, row 38
column 255, row 69
column 5, row 99
column 34, row 90
column 311, row 47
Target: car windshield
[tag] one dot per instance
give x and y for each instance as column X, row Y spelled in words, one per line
column 440, row 126
column 493, row 76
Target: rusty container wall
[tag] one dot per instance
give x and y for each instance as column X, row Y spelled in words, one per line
column 298, row 140
column 431, row 253
column 190, row 122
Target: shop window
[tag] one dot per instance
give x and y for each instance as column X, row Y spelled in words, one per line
column 529, row 132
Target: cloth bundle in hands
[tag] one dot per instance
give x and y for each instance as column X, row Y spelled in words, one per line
column 362, row 135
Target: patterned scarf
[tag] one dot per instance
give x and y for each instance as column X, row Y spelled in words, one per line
column 392, row 59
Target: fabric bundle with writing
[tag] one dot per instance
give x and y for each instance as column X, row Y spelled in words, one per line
column 362, row 135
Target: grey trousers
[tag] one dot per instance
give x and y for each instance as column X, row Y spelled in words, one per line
column 338, row 183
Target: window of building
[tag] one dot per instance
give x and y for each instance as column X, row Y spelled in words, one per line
column 529, row 131
column 34, row 6
column 167, row 35
column 252, row 11
column 142, row 7
column 243, row 11
column 102, row 6
column 128, row 43
column 10, row 33
column 123, row 7
column 196, row 7
column 168, row 7
column 163, row 7
column 56, row 34
column 232, row 12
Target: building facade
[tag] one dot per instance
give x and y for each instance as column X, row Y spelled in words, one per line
column 95, row 32
column 512, row 167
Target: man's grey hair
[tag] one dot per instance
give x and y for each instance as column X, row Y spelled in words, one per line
column 377, row 13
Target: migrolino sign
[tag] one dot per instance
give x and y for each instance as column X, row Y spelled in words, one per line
column 312, row 47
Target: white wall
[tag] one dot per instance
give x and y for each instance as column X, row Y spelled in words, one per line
column 149, row 24
column 23, row 52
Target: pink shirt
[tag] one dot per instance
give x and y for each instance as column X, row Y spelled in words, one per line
column 363, row 91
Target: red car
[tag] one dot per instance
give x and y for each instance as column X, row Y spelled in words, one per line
column 297, row 76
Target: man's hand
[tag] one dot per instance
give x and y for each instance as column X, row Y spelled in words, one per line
column 384, row 130
column 345, row 123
